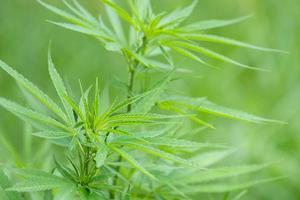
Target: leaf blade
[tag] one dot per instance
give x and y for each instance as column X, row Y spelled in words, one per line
column 19, row 111
column 35, row 91
column 229, row 41
column 211, row 24
column 59, row 86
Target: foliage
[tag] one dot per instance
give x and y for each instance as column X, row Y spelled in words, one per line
column 136, row 148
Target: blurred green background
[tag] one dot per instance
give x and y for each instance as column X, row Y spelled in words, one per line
column 24, row 38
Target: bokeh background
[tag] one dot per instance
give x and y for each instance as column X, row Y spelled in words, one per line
column 24, row 38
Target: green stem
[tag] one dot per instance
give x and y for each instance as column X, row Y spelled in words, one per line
column 130, row 87
column 129, row 107
column 132, row 66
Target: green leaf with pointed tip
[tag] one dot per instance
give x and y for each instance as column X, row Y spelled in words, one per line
column 228, row 41
column 212, row 108
column 84, row 102
column 203, row 105
column 39, row 181
column 129, row 119
column 220, row 173
column 35, row 91
column 212, row 54
column 85, row 23
column 188, row 54
column 52, row 134
column 104, row 100
column 88, row 31
column 62, row 13
column 214, row 23
column 38, row 120
column 132, row 161
column 172, row 107
column 96, row 101
column 59, row 86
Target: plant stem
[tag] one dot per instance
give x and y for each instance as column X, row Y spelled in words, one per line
column 132, row 66
column 130, row 87
column 129, row 107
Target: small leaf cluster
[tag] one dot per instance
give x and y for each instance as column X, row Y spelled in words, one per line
column 152, row 35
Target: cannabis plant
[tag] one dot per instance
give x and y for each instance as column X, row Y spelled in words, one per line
column 134, row 146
